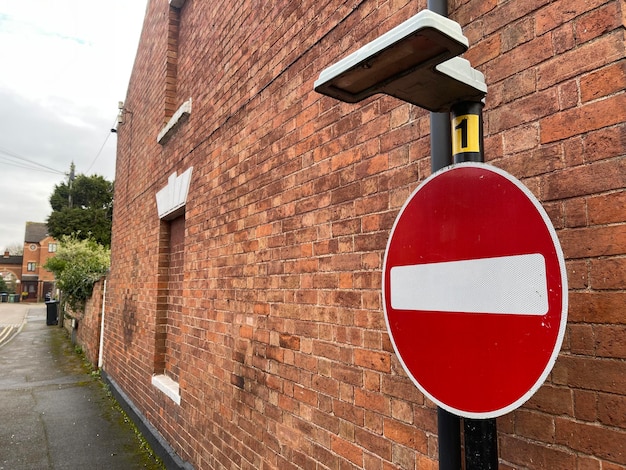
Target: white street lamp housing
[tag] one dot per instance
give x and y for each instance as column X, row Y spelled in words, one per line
column 408, row 63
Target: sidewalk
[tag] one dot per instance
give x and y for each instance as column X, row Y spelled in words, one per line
column 53, row 413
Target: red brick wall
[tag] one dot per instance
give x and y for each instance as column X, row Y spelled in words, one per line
column 89, row 323
column 285, row 358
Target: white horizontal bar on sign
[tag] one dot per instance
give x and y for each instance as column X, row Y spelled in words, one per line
column 513, row 285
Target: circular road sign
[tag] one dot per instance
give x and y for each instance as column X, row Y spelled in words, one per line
column 475, row 290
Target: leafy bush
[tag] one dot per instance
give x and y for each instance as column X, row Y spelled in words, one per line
column 77, row 266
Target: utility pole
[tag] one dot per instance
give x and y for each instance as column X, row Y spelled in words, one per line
column 71, row 177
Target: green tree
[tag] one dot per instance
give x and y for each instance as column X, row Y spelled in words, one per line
column 83, row 207
column 3, row 285
column 78, row 264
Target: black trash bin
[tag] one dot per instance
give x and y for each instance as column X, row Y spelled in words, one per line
column 4, row 296
column 52, row 312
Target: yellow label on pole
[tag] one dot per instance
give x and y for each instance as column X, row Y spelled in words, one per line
column 465, row 134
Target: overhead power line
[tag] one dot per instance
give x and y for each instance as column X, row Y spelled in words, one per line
column 101, row 147
column 14, row 159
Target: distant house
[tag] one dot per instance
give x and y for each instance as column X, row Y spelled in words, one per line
column 38, row 248
column 11, row 270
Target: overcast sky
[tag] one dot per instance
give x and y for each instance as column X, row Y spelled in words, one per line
column 64, row 66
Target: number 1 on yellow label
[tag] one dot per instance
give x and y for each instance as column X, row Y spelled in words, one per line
column 465, row 134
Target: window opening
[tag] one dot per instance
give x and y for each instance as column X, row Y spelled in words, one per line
column 168, row 338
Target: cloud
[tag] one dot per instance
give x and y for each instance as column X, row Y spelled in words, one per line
column 66, row 64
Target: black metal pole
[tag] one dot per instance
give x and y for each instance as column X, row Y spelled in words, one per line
column 440, row 140
column 449, row 439
column 448, row 424
column 438, row 6
column 440, row 145
column 480, row 435
column 481, row 444
column 467, row 132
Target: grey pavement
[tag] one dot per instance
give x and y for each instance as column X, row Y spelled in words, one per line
column 53, row 413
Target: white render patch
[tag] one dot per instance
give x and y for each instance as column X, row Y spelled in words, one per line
column 179, row 117
column 173, row 196
column 167, row 386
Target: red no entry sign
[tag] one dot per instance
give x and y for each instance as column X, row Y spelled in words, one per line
column 475, row 290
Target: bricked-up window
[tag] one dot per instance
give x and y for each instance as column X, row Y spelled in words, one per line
column 174, row 114
column 170, row 298
column 171, row 71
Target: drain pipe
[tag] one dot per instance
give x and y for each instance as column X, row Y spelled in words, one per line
column 448, row 424
column 101, row 348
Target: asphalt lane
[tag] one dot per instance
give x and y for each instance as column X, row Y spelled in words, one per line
column 11, row 320
column 53, row 413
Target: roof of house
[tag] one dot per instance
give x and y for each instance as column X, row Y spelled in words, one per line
column 35, row 232
column 11, row 259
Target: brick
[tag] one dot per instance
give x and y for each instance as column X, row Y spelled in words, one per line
column 525, row 110
column 592, row 439
column 526, row 56
column 401, row 458
column 583, row 59
column 607, row 208
column 347, row 450
column 508, row 13
column 608, row 273
column 612, row 410
column 575, row 212
column 589, row 117
column 596, row 307
column 585, row 405
column 587, row 179
column 483, row 49
column 535, row 455
column 472, row 10
column 538, row 161
column 593, row 241
column 556, row 13
column 553, row 400
column 406, row 434
column 574, row 151
column 610, row 341
column 577, row 274
column 374, row 443
column 568, row 94
column 535, row 426
column 372, row 360
column 582, row 339
column 607, row 375
column 517, row 33
column 605, row 143
column 519, row 85
column 588, row 463
column 521, row 139
column 563, row 38
column 372, row 401
column 425, row 463
column 597, row 23
column 348, row 412
column 604, row 82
